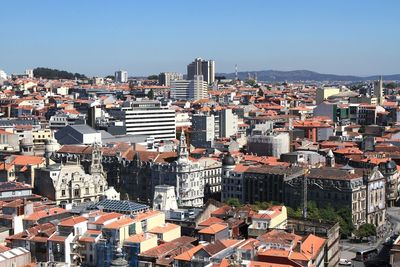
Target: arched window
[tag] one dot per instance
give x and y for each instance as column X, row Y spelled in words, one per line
column 77, row 191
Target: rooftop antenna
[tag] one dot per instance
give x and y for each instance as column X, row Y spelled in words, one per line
column 236, row 73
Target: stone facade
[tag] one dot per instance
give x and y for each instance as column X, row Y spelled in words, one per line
column 70, row 184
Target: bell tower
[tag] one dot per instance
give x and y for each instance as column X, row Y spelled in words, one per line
column 96, row 166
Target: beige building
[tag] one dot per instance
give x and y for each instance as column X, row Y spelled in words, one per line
column 166, row 232
column 324, row 92
column 272, row 218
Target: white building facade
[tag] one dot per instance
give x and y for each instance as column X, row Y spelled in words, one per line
column 151, row 119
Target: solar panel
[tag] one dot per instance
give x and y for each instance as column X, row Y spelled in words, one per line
column 118, row 205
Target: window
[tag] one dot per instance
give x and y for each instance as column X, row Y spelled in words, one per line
column 77, row 192
column 63, row 193
column 87, row 190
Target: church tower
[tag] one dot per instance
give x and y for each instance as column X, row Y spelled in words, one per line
column 330, row 159
column 183, row 153
column 96, row 167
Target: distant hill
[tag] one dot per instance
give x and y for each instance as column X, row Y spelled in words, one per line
column 303, row 75
column 46, row 73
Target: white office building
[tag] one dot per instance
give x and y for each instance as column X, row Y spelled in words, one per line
column 151, row 119
column 189, row 89
column 121, row 76
column 228, row 123
column 3, row 75
column 165, row 78
column 29, row 73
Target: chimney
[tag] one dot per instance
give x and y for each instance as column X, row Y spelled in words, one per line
column 298, row 246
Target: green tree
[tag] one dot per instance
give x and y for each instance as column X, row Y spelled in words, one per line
column 365, row 230
column 260, row 92
column 261, row 205
column 152, row 77
column 345, row 222
column 150, row 94
column 391, row 85
column 250, row 82
column 294, row 213
column 234, row 202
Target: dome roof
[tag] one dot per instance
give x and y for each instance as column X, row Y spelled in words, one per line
column 391, row 165
column 228, row 160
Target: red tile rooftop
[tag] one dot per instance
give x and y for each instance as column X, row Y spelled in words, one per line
column 44, row 213
column 211, row 221
column 164, row 228
column 73, row 221
column 213, row 229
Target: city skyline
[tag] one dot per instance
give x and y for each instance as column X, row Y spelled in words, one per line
column 93, row 38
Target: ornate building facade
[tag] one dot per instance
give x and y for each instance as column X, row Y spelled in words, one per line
column 186, row 176
column 68, row 183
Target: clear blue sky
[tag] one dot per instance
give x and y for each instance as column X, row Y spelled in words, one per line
column 147, row 37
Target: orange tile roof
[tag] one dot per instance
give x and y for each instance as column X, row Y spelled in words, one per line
column 138, row 238
column 211, row 221
column 213, row 229
column 312, row 245
column 164, row 228
column 120, row 223
column 26, row 160
column 106, row 217
column 273, row 212
column 44, row 213
column 268, row 264
column 187, row 255
column 72, row 221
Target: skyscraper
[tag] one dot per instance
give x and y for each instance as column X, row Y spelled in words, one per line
column 202, row 67
column 121, row 76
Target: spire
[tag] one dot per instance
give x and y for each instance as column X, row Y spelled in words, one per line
column 96, row 166
column 182, row 147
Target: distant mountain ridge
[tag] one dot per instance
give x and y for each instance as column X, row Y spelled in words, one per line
column 303, row 75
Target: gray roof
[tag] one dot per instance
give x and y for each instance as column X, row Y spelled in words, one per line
column 123, row 206
column 83, row 128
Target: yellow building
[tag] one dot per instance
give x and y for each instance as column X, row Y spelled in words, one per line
column 324, row 92
column 167, row 232
column 40, row 136
column 142, row 222
column 143, row 242
column 272, row 218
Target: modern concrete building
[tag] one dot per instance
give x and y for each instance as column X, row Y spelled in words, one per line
column 194, row 89
column 268, row 143
column 202, row 67
column 150, row 119
column 228, row 123
column 79, row 134
column 203, row 130
column 121, row 76
column 165, row 78
column 378, row 91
